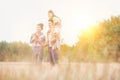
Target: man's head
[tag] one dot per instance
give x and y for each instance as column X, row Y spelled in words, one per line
column 50, row 23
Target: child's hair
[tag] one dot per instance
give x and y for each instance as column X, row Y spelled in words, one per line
column 50, row 11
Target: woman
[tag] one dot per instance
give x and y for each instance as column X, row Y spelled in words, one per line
column 38, row 40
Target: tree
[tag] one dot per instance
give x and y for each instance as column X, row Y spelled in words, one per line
column 102, row 41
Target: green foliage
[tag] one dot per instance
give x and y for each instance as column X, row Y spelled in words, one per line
column 96, row 43
column 101, row 42
column 14, row 51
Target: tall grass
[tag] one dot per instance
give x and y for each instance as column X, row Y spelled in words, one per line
column 61, row 71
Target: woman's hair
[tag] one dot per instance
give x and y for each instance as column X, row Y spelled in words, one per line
column 40, row 25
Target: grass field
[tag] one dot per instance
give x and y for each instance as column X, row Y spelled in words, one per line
column 61, row 71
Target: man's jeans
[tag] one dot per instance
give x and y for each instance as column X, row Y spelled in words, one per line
column 53, row 55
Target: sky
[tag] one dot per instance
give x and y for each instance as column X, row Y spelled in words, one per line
column 18, row 18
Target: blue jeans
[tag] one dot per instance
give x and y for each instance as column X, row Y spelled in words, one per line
column 53, row 55
column 37, row 54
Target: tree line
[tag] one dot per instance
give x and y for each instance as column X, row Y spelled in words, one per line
column 14, row 51
column 99, row 43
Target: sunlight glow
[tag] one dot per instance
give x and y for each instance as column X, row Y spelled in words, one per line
column 78, row 25
column 84, row 22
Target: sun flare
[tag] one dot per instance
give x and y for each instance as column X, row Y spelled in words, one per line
column 84, row 22
column 78, row 25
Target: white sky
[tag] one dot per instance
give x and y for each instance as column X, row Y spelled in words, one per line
column 18, row 18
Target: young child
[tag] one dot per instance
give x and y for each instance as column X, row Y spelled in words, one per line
column 56, row 20
column 38, row 40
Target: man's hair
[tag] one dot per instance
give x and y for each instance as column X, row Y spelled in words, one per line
column 50, row 20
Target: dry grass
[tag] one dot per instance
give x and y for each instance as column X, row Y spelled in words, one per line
column 63, row 71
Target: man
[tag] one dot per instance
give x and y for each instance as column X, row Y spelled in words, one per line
column 38, row 40
column 53, row 40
